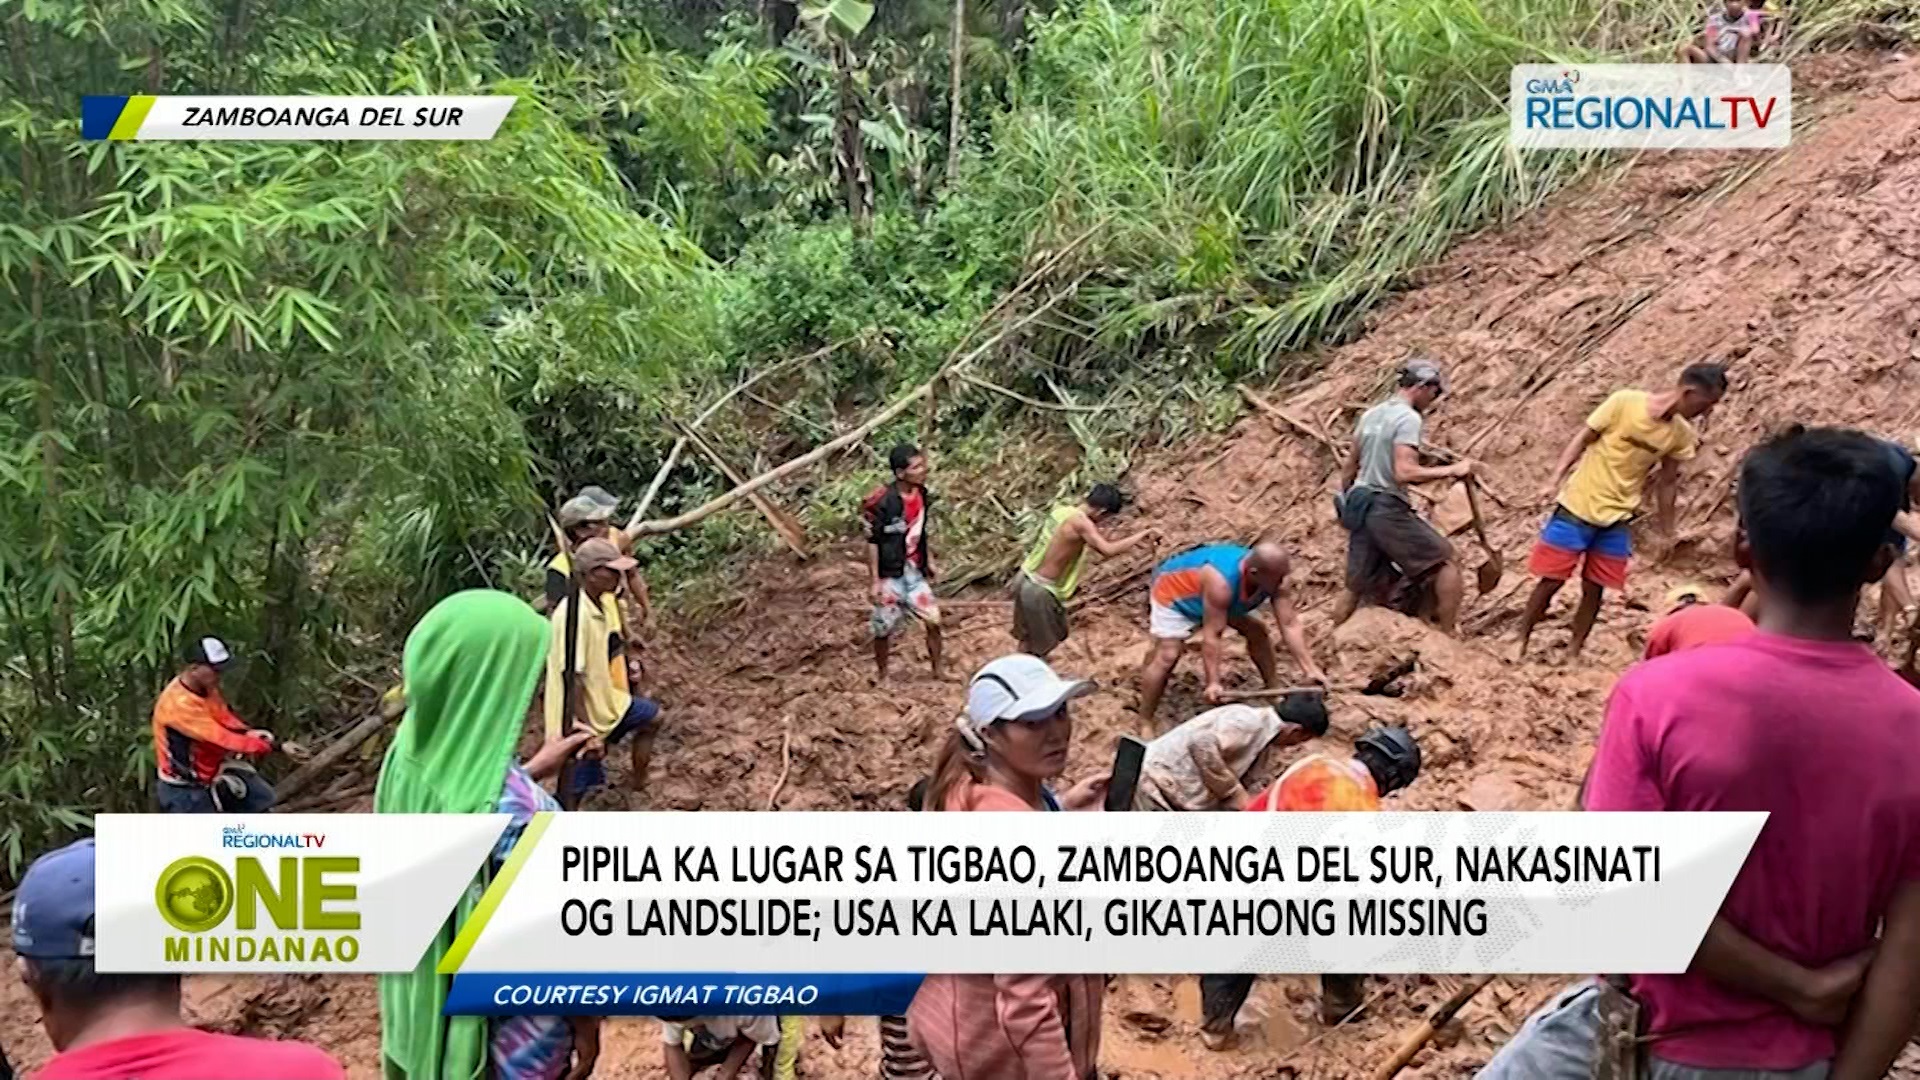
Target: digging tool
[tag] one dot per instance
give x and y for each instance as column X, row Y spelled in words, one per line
column 1487, row 576
column 1435, row 1020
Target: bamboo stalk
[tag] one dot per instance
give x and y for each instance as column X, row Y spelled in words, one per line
column 1424, row 1032
column 784, row 527
column 680, row 445
column 899, row 406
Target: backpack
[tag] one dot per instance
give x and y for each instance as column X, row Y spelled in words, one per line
column 870, row 506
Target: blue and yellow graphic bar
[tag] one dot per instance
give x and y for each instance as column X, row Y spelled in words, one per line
column 118, row 118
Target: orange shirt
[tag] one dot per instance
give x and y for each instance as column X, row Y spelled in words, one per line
column 1696, row 624
column 1319, row 782
column 192, row 735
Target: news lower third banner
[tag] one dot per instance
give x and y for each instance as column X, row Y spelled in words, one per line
column 819, row 912
column 295, row 119
column 1650, row 106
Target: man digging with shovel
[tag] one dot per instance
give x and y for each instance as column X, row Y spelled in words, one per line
column 1388, row 543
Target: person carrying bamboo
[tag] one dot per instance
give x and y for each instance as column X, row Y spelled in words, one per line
column 1052, row 569
column 602, row 702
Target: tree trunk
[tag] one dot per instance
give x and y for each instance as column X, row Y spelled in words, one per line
column 955, row 110
column 780, row 17
column 850, row 150
column 1013, row 25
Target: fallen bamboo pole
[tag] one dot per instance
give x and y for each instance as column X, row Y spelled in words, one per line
column 786, row 528
column 1423, row 1034
column 680, row 445
column 899, row 406
column 298, row 780
column 786, row 763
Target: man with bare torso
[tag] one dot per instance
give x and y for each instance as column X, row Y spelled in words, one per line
column 1052, row 569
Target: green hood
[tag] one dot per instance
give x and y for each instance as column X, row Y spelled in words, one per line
column 471, row 667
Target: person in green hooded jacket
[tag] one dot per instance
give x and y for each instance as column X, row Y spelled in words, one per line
column 470, row 667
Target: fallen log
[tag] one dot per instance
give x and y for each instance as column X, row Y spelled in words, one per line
column 680, row 445
column 1274, row 412
column 316, row 766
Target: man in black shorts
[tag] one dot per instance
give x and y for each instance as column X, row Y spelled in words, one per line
column 1388, row 544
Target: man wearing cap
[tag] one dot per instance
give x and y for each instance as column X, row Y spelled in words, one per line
column 1384, row 760
column 1691, row 621
column 1635, row 441
column 194, row 734
column 1387, row 543
column 110, row 1027
column 582, row 518
column 603, row 704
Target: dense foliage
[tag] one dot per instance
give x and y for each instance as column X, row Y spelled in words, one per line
column 293, row 393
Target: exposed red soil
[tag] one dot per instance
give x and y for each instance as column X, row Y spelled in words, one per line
column 1802, row 269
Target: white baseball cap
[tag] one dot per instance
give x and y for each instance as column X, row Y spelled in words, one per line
column 1019, row 687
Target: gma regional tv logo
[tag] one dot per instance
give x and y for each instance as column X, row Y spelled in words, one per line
column 1650, row 106
column 264, row 909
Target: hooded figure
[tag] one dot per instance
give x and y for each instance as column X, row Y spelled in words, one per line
column 471, row 666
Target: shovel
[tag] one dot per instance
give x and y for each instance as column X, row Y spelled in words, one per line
column 1487, row 576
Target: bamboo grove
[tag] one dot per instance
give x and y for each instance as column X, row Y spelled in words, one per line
column 293, row 393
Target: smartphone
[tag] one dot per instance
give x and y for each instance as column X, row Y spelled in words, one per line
column 1127, row 758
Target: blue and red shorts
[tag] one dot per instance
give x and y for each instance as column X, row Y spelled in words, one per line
column 1567, row 541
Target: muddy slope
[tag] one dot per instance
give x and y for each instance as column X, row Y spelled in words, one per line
column 1801, row 269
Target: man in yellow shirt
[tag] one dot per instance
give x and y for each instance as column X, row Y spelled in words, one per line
column 1051, row 571
column 602, row 703
column 1631, row 435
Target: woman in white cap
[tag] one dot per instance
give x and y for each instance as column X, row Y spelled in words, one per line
column 1011, row 740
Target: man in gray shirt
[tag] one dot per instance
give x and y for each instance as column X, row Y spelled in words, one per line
column 1387, row 542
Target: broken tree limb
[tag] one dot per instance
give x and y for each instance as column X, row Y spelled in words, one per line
column 974, row 380
column 298, row 780
column 1272, row 411
column 680, row 445
column 899, row 406
column 659, row 478
column 785, row 527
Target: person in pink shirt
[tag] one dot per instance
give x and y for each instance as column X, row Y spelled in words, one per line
column 1805, row 723
column 112, row 1027
column 1011, row 740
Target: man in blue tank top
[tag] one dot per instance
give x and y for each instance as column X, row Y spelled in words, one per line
column 1208, row 589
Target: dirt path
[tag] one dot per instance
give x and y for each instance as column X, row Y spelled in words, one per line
column 1801, row 269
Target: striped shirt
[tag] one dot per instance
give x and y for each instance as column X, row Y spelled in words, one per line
column 1179, row 582
column 899, row 1060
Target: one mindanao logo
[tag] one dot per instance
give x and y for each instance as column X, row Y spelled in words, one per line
column 1650, row 106
column 298, row 909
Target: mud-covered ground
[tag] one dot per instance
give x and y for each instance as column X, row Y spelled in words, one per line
column 1801, row 269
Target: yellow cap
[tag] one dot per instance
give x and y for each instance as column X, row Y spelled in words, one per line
column 1680, row 594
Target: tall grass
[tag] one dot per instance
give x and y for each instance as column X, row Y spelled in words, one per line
column 1267, row 169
